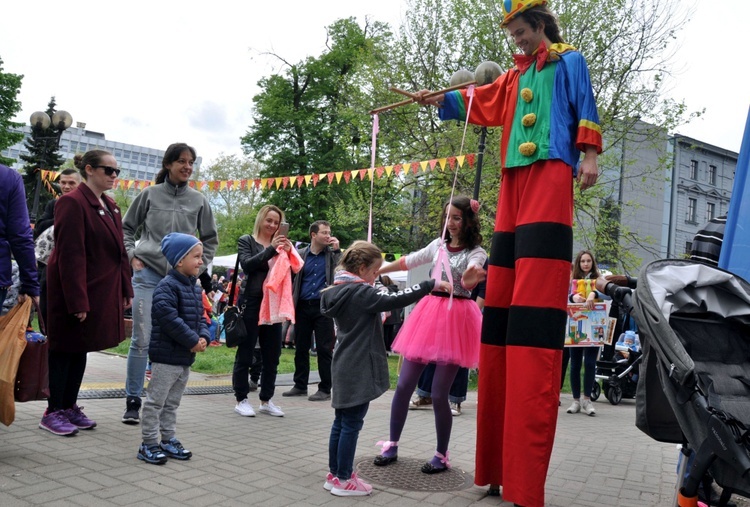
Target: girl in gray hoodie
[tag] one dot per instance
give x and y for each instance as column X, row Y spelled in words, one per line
column 360, row 364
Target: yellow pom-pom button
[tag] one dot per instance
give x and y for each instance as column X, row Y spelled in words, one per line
column 528, row 120
column 527, row 149
column 527, row 94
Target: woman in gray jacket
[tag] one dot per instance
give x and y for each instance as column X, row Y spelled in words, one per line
column 168, row 206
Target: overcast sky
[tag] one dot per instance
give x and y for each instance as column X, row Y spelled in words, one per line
column 152, row 73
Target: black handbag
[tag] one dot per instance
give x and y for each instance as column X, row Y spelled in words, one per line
column 234, row 325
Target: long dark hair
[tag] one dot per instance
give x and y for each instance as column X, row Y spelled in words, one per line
column 542, row 15
column 172, row 155
column 470, row 235
column 578, row 274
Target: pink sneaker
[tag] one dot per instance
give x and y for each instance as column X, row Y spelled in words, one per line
column 328, row 485
column 353, row 487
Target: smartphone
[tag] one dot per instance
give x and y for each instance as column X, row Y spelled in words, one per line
column 283, row 229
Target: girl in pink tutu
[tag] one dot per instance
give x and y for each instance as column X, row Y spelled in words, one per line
column 441, row 330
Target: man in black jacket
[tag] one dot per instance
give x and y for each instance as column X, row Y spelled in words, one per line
column 321, row 258
column 69, row 181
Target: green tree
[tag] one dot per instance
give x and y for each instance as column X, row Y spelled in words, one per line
column 304, row 123
column 10, row 133
column 234, row 208
column 43, row 155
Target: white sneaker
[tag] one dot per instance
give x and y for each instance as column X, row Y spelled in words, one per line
column 244, row 408
column 455, row 409
column 270, row 409
column 574, row 408
column 588, row 408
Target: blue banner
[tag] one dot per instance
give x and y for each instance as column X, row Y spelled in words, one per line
column 735, row 251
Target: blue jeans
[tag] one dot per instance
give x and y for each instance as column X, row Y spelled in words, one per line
column 343, row 442
column 588, row 356
column 144, row 283
column 458, row 390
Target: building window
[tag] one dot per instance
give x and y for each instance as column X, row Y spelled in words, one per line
column 688, row 247
column 710, row 211
column 712, row 175
column 691, row 211
column 693, row 169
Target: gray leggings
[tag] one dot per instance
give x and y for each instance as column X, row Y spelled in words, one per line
column 165, row 390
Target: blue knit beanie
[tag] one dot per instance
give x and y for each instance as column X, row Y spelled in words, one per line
column 175, row 246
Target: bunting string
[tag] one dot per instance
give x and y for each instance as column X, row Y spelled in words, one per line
column 451, row 163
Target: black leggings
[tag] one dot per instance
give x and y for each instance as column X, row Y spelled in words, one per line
column 65, row 375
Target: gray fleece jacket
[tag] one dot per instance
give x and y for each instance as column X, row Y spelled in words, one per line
column 164, row 208
column 360, row 364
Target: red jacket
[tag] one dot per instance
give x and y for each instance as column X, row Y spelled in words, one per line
column 88, row 272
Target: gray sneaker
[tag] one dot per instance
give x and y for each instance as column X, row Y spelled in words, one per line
column 294, row 391
column 320, row 396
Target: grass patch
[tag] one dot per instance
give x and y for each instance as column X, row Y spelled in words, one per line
column 220, row 361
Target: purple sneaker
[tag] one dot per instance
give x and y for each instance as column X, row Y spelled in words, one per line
column 78, row 419
column 57, row 422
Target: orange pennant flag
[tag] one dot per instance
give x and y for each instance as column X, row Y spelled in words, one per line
column 330, row 178
column 347, row 176
column 315, row 178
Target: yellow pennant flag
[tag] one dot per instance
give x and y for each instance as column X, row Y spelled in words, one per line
column 308, row 177
column 423, row 165
column 263, row 182
column 460, row 160
column 443, row 162
column 223, row 185
column 338, row 176
column 388, row 170
column 278, row 182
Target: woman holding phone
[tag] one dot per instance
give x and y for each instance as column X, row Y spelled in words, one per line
column 256, row 252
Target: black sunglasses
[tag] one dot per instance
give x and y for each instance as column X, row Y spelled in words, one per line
column 109, row 171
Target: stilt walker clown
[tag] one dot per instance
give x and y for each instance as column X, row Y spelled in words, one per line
column 546, row 107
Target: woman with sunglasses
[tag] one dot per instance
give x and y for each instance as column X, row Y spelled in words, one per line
column 168, row 206
column 88, row 280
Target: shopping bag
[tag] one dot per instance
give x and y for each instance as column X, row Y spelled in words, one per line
column 234, row 326
column 32, row 379
column 12, row 343
column 13, row 340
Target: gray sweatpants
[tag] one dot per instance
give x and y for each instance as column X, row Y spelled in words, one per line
column 165, row 390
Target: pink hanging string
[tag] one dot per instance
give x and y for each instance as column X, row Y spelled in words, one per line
column 442, row 260
column 375, row 129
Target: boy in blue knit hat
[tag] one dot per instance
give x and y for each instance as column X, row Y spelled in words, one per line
column 178, row 331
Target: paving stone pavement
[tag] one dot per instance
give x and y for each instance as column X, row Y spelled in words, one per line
column 271, row 461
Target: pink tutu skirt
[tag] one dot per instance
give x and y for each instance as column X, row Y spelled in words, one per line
column 434, row 334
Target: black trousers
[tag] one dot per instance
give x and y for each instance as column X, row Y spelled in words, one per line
column 269, row 338
column 309, row 320
column 65, row 376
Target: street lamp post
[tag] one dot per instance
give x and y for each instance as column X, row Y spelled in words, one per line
column 40, row 121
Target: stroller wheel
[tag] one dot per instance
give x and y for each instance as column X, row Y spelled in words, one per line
column 614, row 395
column 596, row 391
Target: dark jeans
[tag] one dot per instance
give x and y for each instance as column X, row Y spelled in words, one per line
column 269, row 338
column 343, row 442
column 257, row 366
column 587, row 355
column 309, row 319
column 65, row 376
column 458, row 390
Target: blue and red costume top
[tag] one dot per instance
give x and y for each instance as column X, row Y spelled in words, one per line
column 544, row 104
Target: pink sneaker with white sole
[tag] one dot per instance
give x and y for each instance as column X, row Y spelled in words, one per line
column 353, row 487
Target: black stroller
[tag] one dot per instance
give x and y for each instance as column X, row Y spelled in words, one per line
column 618, row 376
column 694, row 323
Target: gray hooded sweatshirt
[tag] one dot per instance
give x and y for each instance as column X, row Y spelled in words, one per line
column 360, row 364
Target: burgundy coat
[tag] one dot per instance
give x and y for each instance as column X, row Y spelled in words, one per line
column 88, row 272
